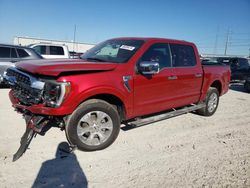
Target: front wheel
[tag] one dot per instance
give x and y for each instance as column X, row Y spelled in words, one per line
column 211, row 102
column 94, row 125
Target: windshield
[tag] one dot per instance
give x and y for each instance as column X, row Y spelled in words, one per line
column 115, row 51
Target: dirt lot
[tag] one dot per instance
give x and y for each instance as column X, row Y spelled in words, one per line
column 185, row 151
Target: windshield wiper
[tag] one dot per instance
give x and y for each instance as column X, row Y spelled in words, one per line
column 95, row 59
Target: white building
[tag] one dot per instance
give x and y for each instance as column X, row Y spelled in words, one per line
column 73, row 47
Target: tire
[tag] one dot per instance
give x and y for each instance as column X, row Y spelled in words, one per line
column 211, row 102
column 247, row 86
column 94, row 125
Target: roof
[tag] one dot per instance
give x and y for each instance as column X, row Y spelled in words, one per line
column 14, row 46
column 46, row 44
column 152, row 39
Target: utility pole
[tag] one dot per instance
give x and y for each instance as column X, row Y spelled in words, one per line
column 216, row 41
column 228, row 31
column 74, row 38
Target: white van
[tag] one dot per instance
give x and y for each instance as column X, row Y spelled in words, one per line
column 51, row 51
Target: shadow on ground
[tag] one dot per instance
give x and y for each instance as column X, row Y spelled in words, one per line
column 62, row 171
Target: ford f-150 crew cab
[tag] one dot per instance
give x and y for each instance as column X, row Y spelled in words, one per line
column 133, row 81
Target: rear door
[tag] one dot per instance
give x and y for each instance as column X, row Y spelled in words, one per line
column 188, row 73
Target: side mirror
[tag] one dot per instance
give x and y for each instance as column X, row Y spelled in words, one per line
column 149, row 67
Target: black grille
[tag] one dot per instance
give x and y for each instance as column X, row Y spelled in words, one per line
column 21, row 78
column 22, row 89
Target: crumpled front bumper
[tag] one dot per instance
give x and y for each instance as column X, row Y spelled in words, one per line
column 40, row 109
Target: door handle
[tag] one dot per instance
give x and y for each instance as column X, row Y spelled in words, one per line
column 172, row 78
column 198, row 75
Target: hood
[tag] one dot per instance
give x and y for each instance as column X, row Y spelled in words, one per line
column 56, row 67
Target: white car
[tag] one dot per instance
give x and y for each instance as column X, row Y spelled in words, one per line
column 51, row 51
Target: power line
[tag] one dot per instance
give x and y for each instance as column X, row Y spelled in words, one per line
column 228, row 42
column 240, row 39
column 233, row 33
column 240, row 45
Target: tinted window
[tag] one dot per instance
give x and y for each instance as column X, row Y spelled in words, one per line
column 56, row 50
column 158, row 53
column 224, row 60
column 13, row 53
column 209, row 61
column 239, row 64
column 40, row 49
column 182, row 55
column 243, row 64
column 4, row 52
column 22, row 53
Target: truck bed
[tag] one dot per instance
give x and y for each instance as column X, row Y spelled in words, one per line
column 217, row 71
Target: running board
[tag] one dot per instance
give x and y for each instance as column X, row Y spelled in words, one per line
column 147, row 120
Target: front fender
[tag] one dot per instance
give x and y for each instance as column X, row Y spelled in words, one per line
column 122, row 94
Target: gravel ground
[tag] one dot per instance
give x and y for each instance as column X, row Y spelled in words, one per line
column 184, row 151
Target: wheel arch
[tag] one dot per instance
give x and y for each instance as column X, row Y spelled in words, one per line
column 217, row 84
column 113, row 100
column 113, row 96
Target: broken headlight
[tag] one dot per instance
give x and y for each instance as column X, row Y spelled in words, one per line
column 55, row 93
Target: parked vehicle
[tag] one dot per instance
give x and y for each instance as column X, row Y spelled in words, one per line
column 240, row 68
column 10, row 54
column 123, row 80
column 247, row 85
column 51, row 51
column 75, row 55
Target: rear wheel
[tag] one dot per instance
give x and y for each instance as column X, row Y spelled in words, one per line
column 247, row 86
column 94, row 125
column 211, row 102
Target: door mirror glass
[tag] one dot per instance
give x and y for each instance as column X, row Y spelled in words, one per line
column 149, row 67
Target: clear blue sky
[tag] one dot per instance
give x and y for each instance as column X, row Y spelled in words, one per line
column 198, row 21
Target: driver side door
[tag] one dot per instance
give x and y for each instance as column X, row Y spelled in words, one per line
column 154, row 92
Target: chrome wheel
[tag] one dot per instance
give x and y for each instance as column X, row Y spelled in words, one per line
column 212, row 102
column 94, row 128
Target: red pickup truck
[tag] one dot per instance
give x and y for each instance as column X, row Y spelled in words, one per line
column 133, row 81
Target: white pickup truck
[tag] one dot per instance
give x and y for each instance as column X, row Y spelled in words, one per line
column 51, row 51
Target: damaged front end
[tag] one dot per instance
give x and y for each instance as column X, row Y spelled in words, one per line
column 28, row 91
column 35, row 125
